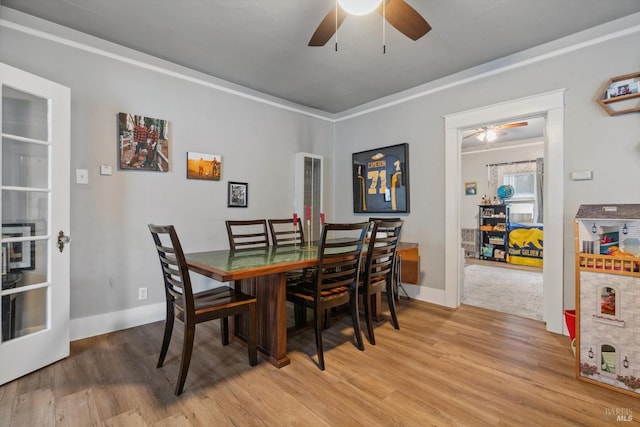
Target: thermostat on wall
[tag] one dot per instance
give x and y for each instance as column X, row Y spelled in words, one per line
column 105, row 170
column 581, row 175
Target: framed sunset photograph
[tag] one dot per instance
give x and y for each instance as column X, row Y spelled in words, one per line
column 203, row 166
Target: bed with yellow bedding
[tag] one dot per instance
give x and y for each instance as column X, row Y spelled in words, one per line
column 525, row 244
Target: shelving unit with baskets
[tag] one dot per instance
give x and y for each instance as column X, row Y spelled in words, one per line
column 492, row 225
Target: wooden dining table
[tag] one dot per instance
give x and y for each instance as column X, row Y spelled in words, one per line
column 262, row 272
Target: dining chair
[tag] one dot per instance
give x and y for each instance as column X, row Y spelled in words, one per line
column 193, row 308
column 378, row 271
column 283, row 233
column 247, row 233
column 397, row 268
column 336, row 278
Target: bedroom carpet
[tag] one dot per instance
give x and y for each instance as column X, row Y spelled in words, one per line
column 503, row 289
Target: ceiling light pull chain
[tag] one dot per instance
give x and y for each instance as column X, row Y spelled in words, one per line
column 384, row 32
column 336, row 25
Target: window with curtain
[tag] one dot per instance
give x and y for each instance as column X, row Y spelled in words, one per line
column 526, row 179
column 523, row 183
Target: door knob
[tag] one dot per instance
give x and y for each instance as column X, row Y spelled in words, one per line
column 62, row 239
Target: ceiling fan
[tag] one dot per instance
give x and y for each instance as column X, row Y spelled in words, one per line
column 491, row 133
column 397, row 13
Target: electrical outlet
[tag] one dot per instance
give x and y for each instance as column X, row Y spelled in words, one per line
column 142, row 293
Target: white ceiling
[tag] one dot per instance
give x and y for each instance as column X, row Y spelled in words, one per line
column 262, row 44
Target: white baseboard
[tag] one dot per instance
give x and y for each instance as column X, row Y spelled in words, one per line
column 422, row 293
column 86, row 327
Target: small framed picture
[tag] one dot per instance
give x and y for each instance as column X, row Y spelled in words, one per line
column 237, row 195
column 203, row 166
column 470, row 188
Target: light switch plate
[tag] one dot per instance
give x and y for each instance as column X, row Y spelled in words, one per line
column 581, row 175
column 82, row 176
column 105, row 170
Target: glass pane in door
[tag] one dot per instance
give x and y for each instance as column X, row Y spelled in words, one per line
column 24, row 114
column 24, row 164
column 25, row 209
column 25, row 206
column 23, row 313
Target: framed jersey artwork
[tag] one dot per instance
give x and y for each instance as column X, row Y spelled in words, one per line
column 381, row 180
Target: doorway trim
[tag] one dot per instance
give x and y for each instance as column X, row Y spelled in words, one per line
column 551, row 106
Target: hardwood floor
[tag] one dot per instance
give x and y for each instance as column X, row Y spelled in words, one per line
column 464, row 367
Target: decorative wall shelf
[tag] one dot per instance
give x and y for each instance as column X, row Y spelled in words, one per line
column 620, row 89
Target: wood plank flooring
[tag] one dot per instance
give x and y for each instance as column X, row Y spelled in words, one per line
column 464, row 367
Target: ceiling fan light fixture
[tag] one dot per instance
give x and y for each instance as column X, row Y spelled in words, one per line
column 359, row 7
column 488, row 135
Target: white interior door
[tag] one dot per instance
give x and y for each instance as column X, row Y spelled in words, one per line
column 34, row 209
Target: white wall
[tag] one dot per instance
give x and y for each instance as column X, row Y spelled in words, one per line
column 609, row 146
column 474, row 169
column 112, row 253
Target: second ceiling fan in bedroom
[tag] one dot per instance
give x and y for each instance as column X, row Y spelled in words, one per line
column 488, row 134
column 399, row 14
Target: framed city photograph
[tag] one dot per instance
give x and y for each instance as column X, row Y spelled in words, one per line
column 19, row 255
column 203, row 166
column 143, row 143
column 237, row 195
column 381, row 180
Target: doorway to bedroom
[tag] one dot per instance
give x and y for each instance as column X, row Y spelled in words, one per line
column 549, row 105
column 501, row 216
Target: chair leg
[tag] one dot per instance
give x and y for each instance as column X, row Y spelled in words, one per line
column 251, row 336
column 317, row 320
column 168, row 330
column 366, row 301
column 300, row 314
column 355, row 318
column 224, row 330
column 187, row 349
column 397, row 278
column 392, row 307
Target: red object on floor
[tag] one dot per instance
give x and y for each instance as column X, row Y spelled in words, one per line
column 570, row 318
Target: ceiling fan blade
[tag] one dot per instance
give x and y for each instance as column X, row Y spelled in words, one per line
column 471, row 135
column 327, row 27
column 405, row 19
column 512, row 125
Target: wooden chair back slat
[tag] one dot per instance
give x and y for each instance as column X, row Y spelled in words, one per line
column 247, row 233
column 283, row 232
